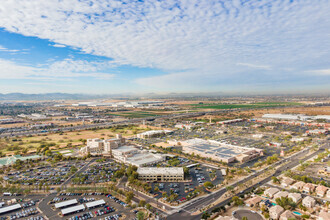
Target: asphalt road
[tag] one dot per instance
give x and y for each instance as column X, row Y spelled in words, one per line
column 186, row 210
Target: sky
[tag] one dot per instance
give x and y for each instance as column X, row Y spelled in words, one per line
column 164, row 46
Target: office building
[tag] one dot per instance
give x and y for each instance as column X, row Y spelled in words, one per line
column 161, row 174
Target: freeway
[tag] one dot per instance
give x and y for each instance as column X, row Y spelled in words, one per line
column 185, row 212
column 26, row 131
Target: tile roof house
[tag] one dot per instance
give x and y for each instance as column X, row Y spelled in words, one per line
column 275, row 212
column 281, row 194
column 321, row 190
column 271, row 192
column 254, row 201
column 296, row 197
column 287, row 215
column 298, row 185
column 328, row 194
column 324, row 216
column 308, row 202
column 286, row 182
column 309, row 187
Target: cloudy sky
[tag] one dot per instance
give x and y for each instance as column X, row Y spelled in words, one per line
column 119, row 46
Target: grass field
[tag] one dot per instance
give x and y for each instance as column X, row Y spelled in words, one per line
column 255, row 105
column 64, row 140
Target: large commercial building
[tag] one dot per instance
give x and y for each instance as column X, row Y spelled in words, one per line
column 132, row 155
column 162, row 174
column 220, row 151
column 124, row 153
column 298, row 117
column 153, row 133
column 99, row 146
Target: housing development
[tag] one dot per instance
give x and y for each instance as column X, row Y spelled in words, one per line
column 203, row 163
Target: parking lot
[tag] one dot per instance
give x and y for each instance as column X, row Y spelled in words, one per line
column 46, row 174
column 197, row 176
column 99, row 173
column 112, row 207
column 27, row 210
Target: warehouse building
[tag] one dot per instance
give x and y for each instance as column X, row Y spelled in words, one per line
column 161, row 174
column 220, row 151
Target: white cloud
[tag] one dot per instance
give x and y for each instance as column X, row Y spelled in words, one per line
column 209, row 39
column 265, row 67
column 323, row 72
column 57, row 45
column 58, row 70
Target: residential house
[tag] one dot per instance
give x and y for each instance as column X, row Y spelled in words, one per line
column 321, row 190
column 254, row 201
column 298, row 185
column 308, row 202
column 286, row 182
column 275, row 212
column 271, row 192
column 287, row 215
column 296, row 197
column 309, row 187
column 328, row 194
column 281, row 194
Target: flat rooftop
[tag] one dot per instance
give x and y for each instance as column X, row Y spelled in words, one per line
column 216, row 148
column 125, row 148
column 160, row 171
column 143, row 158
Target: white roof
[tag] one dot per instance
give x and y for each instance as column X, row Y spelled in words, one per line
column 10, row 208
column 160, row 170
column 73, row 209
column 66, row 203
column 141, row 159
column 95, row 203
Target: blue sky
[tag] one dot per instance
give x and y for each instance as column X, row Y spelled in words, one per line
column 121, row 46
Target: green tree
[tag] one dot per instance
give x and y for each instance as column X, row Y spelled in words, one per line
column 129, row 197
column 142, row 203
column 140, row 215
column 237, row 201
column 208, row 185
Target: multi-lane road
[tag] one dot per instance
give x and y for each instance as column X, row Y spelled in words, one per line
column 185, row 212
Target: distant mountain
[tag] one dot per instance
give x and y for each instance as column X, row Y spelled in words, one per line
column 46, row 96
column 68, row 96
